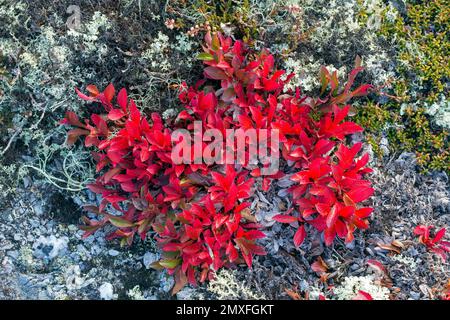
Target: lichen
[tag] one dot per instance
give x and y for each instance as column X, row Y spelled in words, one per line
column 226, row 286
column 350, row 287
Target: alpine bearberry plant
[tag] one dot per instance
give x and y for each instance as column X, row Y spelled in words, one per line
column 199, row 212
column 435, row 244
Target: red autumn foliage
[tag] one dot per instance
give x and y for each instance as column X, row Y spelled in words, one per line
column 362, row 295
column 197, row 212
column 435, row 244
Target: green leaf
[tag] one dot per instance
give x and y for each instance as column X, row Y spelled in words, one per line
column 324, row 79
column 156, row 265
column 171, row 254
column 204, row 56
column 120, row 222
column 170, row 263
column 334, row 83
column 215, row 42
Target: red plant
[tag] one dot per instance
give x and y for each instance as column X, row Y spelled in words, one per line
column 209, row 236
column 362, row 295
column 197, row 212
column 435, row 244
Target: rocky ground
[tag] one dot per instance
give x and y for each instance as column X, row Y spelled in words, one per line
column 44, row 257
column 130, row 43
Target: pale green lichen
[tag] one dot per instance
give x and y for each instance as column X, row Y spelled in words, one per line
column 350, row 287
column 13, row 13
column 91, row 31
column 406, row 261
column 135, row 293
column 156, row 54
column 440, row 110
column 226, row 285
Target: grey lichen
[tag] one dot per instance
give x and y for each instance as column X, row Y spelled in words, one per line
column 226, row 286
column 351, row 285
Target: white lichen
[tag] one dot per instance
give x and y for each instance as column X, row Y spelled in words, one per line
column 406, row 261
column 156, row 54
column 226, row 285
column 440, row 111
column 90, row 32
column 135, row 293
column 350, row 287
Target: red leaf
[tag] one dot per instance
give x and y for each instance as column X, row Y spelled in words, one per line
column 283, row 218
column 83, row 96
column 329, row 234
column 319, row 266
column 439, row 235
column 215, row 73
column 115, row 114
column 360, row 194
column 377, row 265
column 73, row 135
column 332, row 217
column 73, row 120
column 362, row 295
column 122, row 99
column 92, row 90
column 323, row 209
column 341, row 228
column 109, row 92
column 300, row 235
column 361, row 90
column 364, row 213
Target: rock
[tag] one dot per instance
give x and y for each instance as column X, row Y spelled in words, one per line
column 106, row 291
column 414, row 295
column 186, row 294
column 39, row 210
column 166, row 282
column 149, row 258
column 49, row 247
column 113, row 253
column 13, row 254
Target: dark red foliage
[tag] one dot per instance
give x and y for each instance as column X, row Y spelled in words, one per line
column 197, row 212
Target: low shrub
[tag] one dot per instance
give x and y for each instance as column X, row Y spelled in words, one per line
column 199, row 213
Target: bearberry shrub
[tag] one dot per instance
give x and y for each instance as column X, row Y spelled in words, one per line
column 199, row 213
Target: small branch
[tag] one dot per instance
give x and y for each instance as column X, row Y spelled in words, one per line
column 10, row 142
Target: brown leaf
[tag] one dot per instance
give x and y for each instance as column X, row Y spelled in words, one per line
column 388, row 247
column 180, row 281
column 247, row 214
column 398, row 244
column 293, row 294
column 324, row 277
column 319, row 266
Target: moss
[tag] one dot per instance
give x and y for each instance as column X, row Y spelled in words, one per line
column 373, row 116
column 218, row 14
column 431, row 145
column 423, row 40
column 420, row 37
